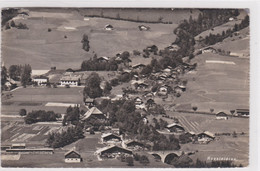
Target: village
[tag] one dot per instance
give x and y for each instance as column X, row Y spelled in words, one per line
column 124, row 108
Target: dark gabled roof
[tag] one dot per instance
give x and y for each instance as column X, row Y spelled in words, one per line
column 134, row 142
column 40, row 77
column 113, row 147
column 221, row 114
column 72, row 154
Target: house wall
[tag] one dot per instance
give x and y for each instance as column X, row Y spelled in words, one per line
column 40, row 81
column 71, row 83
column 72, row 160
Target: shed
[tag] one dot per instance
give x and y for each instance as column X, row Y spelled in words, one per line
column 93, row 112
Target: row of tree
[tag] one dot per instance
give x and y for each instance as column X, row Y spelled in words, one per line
column 212, row 39
column 40, row 116
column 20, row 73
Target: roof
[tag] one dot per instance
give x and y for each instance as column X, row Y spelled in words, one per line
column 108, row 134
column 40, row 77
column 132, row 141
column 208, row 133
column 221, row 114
column 108, row 26
column 110, row 147
column 89, row 100
column 72, row 154
column 70, row 77
column 103, row 58
column 92, row 111
column 138, row 65
column 21, row 144
column 173, row 124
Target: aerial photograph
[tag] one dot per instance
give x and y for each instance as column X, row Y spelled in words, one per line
column 125, row 87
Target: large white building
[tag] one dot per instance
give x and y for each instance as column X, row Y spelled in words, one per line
column 71, row 80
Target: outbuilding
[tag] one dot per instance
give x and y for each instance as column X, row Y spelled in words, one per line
column 174, row 127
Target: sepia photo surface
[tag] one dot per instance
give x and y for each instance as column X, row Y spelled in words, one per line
column 125, row 87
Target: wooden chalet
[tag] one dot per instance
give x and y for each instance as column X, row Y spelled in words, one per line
column 72, row 156
column 221, row 116
column 174, row 127
column 94, row 113
column 110, row 138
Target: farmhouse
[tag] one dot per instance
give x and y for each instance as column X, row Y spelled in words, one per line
column 109, row 27
column 242, row 112
column 175, row 128
column 71, row 80
column 31, row 151
column 209, row 50
column 113, row 152
column 163, row 90
column 93, row 112
column 72, row 156
column 221, row 115
column 133, row 145
column 138, row 66
column 40, row 80
column 110, row 138
column 205, row 137
column 89, row 102
column 138, row 101
column 143, row 28
column 103, row 59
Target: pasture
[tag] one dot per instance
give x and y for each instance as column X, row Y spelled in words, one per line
column 36, row 99
column 42, row 48
column 219, row 85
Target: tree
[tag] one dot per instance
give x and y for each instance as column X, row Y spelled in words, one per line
column 85, row 43
column 144, row 160
column 12, row 24
column 26, row 75
column 232, row 112
column 125, row 55
column 211, row 110
column 15, row 72
column 7, row 26
column 130, row 161
column 22, row 112
column 92, row 88
column 194, row 108
column 3, row 75
column 107, row 88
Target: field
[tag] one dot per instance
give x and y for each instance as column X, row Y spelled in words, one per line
column 42, row 49
column 33, row 135
column 218, row 86
column 36, row 99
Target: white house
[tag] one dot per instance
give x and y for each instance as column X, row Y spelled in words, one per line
column 71, row 80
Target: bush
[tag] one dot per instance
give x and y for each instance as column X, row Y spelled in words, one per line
column 130, row 161
column 49, row 30
column 67, row 86
column 22, row 112
column 144, row 160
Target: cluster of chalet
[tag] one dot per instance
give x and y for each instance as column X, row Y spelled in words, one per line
column 117, row 146
column 201, row 138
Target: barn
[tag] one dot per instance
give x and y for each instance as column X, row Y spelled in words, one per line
column 134, row 145
column 205, row 137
